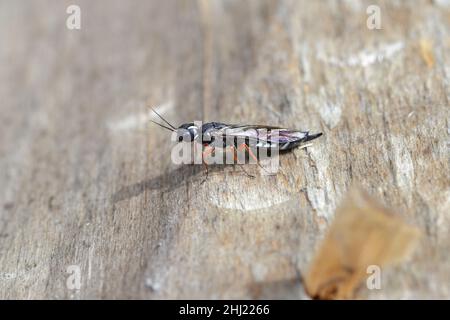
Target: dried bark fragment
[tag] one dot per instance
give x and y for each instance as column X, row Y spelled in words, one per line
column 363, row 234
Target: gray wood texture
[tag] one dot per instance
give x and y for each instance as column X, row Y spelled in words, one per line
column 86, row 181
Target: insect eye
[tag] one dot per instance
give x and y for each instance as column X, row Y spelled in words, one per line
column 184, row 136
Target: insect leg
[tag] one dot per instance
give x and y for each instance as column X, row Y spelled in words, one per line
column 244, row 145
column 248, row 174
column 208, row 150
column 242, row 166
column 233, row 149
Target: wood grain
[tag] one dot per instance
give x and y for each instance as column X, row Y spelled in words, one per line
column 86, row 182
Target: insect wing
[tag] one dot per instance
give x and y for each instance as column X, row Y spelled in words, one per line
column 262, row 136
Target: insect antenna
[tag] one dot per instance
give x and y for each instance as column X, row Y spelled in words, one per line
column 162, row 126
column 167, row 122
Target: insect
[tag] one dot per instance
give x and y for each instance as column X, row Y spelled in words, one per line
column 213, row 135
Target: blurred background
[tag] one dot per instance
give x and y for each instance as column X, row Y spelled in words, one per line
column 87, row 184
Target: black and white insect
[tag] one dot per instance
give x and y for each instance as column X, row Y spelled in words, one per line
column 236, row 137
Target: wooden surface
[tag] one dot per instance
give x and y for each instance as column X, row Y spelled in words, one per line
column 86, row 181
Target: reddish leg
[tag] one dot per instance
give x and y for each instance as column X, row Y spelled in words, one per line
column 245, row 146
column 236, row 158
column 250, row 152
column 233, row 149
column 206, row 152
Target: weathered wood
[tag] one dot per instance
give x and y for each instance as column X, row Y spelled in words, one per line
column 86, row 182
